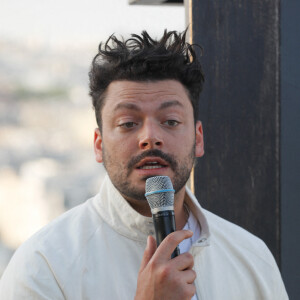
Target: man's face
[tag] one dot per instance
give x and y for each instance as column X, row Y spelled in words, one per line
column 147, row 130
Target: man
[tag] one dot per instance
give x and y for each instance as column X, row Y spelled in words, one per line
column 145, row 94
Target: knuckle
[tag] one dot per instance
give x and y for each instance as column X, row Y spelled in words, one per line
column 189, row 256
column 152, row 265
column 189, row 259
column 165, row 272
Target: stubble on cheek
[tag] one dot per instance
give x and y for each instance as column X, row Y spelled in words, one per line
column 119, row 174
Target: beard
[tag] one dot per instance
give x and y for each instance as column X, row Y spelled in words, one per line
column 119, row 172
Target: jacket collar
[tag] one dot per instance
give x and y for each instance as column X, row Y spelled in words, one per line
column 119, row 215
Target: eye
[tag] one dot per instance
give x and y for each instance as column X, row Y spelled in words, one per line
column 127, row 125
column 171, row 123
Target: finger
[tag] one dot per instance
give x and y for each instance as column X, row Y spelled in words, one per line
column 169, row 244
column 184, row 261
column 149, row 251
column 191, row 290
column 189, row 276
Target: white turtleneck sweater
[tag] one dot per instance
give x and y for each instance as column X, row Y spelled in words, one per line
column 94, row 251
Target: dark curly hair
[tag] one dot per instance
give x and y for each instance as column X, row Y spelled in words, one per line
column 141, row 58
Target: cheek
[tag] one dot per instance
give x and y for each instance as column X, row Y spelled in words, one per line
column 119, row 148
column 187, row 149
column 186, row 139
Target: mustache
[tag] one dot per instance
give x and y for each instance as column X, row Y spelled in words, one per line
column 154, row 153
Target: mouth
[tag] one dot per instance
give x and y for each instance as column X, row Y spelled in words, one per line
column 151, row 163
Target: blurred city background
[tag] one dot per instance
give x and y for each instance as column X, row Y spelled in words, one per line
column 47, row 122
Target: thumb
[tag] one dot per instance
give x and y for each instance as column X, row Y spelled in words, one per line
column 149, row 251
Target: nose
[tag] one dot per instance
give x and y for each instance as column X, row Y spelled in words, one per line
column 150, row 136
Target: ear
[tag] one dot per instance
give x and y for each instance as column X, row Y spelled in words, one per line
column 199, row 147
column 98, row 145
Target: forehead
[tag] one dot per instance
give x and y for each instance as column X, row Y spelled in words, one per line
column 145, row 93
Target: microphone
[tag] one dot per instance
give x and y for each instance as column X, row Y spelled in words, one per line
column 160, row 196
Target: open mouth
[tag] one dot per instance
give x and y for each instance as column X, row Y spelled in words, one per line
column 151, row 165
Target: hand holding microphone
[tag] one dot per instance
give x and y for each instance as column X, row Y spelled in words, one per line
column 161, row 277
column 160, row 196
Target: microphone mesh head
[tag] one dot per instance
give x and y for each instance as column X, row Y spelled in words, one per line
column 159, row 199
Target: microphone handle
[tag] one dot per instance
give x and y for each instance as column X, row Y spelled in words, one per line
column 164, row 224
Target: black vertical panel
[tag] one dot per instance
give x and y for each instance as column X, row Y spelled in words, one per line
column 290, row 145
column 238, row 178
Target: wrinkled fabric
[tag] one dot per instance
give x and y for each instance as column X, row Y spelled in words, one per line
column 94, row 251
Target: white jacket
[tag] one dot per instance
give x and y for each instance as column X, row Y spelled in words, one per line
column 94, row 252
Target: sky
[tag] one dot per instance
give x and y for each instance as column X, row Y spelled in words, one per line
column 69, row 21
column 66, row 23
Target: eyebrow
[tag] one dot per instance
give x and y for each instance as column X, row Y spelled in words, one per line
column 127, row 106
column 170, row 103
column 133, row 106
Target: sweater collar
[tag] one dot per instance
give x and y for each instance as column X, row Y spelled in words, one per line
column 118, row 213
